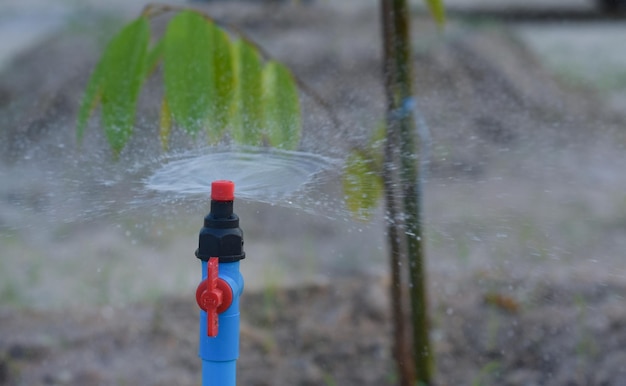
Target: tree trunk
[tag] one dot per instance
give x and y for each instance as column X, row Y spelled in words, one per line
column 402, row 163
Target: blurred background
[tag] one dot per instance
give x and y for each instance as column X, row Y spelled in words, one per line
column 525, row 192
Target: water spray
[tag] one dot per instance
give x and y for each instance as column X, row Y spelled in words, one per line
column 220, row 248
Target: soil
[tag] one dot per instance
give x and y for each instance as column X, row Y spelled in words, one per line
column 563, row 334
column 524, row 209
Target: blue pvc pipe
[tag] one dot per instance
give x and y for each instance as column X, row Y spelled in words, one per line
column 219, row 354
column 219, row 373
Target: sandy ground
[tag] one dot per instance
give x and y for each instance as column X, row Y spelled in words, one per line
column 524, row 211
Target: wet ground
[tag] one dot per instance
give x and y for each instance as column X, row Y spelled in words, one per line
column 524, row 210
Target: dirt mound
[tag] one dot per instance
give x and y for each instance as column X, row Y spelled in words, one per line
column 335, row 334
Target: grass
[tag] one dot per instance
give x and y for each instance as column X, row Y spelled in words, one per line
column 608, row 79
column 329, row 380
column 586, row 348
column 489, row 371
column 273, row 280
column 11, row 289
column 493, row 327
column 10, row 293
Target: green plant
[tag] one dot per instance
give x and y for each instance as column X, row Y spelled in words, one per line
column 329, row 380
column 222, row 88
column 488, row 371
column 272, row 278
column 212, row 84
column 9, row 293
column 586, row 347
column 101, row 284
column 397, row 173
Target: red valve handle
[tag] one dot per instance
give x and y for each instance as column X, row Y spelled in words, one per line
column 214, row 296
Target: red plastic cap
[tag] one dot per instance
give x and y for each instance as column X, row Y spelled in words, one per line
column 223, row 190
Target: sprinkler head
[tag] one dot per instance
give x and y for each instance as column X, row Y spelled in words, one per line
column 222, row 190
column 221, row 236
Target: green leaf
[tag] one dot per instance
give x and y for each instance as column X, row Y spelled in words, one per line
column 123, row 67
column 362, row 184
column 90, row 101
column 165, row 124
column 281, row 106
column 224, row 84
column 247, row 109
column 437, row 10
column 189, row 73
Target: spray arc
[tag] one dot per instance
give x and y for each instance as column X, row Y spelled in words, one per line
column 220, row 249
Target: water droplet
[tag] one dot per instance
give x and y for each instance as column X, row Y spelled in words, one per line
column 259, row 174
